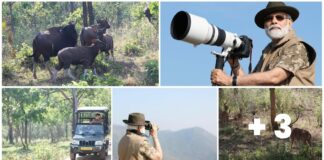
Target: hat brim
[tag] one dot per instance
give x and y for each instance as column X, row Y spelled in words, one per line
column 134, row 124
column 259, row 18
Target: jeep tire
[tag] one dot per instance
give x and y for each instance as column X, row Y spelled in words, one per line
column 102, row 155
column 72, row 156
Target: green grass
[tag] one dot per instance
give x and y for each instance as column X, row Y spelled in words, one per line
column 41, row 150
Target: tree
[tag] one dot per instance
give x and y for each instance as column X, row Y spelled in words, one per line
column 91, row 14
column 88, row 14
column 273, row 109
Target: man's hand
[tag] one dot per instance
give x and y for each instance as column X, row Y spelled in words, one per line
column 218, row 77
column 154, row 130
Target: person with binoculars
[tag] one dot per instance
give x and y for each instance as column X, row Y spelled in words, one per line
column 134, row 144
column 286, row 60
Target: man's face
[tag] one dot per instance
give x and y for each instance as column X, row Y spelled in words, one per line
column 277, row 25
column 98, row 117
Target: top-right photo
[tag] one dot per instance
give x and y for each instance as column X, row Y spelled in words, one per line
column 241, row 44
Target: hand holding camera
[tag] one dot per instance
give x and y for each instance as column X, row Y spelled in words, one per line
column 153, row 128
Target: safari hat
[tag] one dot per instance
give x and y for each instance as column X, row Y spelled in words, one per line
column 135, row 119
column 275, row 7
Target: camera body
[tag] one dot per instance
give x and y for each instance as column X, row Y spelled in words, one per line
column 244, row 51
column 148, row 125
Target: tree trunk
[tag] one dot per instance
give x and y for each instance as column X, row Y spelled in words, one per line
column 10, row 128
column 26, row 133
column 30, row 133
column 16, row 133
column 21, row 134
column 273, row 109
column 66, row 131
column 85, row 14
column 91, row 14
column 52, row 135
column 12, row 22
column 75, row 104
column 72, row 7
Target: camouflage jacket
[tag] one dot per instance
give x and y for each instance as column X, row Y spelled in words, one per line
column 135, row 147
column 292, row 55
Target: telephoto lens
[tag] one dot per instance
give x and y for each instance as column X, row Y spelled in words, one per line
column 197, row 30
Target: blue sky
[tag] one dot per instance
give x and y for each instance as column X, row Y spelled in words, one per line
column 185, row 65
column 171, row 108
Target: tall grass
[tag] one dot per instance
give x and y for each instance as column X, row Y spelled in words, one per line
column 40, row 150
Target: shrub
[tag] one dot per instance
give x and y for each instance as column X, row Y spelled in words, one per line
column 152, row 72
column 132, row 48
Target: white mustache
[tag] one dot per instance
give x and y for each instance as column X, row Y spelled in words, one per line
column 274, row 26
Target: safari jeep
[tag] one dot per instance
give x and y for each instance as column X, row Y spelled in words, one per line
column 90, row 136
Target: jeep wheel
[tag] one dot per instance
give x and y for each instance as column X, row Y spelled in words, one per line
column 102, row 155
column 72, row 156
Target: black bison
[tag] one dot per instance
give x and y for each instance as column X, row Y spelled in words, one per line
column 109, row 42
column 148, row 14
column 89, row 34
column 49, row 42
column 84, row 55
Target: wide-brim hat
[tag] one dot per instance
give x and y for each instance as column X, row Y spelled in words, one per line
column 275, row 7
column 135, row 119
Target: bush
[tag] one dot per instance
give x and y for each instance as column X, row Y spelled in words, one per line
column 132, row 49
column 7, row 71
column 152, row 72
column 95, row 80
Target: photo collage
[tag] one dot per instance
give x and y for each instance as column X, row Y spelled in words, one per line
column 161, row 80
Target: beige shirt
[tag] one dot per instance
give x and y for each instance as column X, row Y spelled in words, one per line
column 135, row 147
column 292, row 55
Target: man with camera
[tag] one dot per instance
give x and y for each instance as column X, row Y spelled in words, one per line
column 134, row 145
column 286, row 60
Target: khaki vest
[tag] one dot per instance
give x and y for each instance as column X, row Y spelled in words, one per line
column 304, row 76
column 128, row 148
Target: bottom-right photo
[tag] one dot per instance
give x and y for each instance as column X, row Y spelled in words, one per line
column 270, row 123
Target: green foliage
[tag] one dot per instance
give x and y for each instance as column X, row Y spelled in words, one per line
column 137, row 12
column 7, row 72
column 152, row 72
column 24, row 51
column 95, row 80
column 41, row 150
column 154, row 8
column 132, row 48
column 75, row 16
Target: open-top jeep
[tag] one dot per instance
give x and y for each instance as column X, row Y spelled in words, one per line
column 90, row 132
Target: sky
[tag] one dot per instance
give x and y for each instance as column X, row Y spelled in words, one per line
column 171, row 108
column 185, row 65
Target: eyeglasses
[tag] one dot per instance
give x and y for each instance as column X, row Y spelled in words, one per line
column 279, row 17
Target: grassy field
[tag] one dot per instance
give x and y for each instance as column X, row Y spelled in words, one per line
column 40, row 150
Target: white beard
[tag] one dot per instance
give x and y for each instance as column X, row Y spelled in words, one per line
column 276, row 32
column 143, row 130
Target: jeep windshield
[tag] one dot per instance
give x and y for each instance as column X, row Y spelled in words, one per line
column 89, row 129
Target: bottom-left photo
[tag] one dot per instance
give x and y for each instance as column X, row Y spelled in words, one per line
column 56, row 123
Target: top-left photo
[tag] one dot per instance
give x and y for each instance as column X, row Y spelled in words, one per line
column 80, row 43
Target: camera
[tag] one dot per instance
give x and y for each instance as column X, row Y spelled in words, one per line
column 148, row 125
column 197, row 30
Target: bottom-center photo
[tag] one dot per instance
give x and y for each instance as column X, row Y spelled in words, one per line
column 164, row 123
